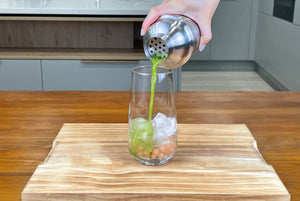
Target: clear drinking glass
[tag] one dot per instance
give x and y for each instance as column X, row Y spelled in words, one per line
column 152, row 137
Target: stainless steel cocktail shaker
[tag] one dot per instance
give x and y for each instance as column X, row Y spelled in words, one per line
column 176, row 36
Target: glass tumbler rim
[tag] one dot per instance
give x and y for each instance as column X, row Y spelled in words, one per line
column 134, row 70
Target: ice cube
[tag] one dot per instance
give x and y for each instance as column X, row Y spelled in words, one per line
column 160, row 138
column 168, row 124
column 163, row 128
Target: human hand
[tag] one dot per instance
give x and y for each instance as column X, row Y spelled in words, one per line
column 201, row 11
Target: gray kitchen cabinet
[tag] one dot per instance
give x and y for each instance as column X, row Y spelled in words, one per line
column 297, row 13
column 205, row 55
column 20, row 75
column 231, row 30
column 86, row 76
column 92, row 76
column 266, row 6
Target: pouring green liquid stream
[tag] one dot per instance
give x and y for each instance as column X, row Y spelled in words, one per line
column 155, row 61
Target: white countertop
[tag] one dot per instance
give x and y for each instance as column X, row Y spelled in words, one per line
column 78, row 7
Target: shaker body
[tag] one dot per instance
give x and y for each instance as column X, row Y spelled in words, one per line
column 174, row 36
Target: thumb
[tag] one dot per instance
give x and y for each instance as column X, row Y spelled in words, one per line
column 152, row 16
column 206, row 35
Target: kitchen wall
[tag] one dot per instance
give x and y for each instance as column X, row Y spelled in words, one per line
column 277, row 48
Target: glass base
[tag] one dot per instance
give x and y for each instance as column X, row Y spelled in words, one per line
column 153, row 162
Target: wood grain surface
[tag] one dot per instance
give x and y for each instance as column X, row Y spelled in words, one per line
column 70, row 34
column 29, row 122
column 213, row 162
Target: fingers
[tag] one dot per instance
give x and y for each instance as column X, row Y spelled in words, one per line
column 153, row 15
column 206, row 35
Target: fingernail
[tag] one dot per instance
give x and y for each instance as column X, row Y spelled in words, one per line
column 202, row 48
column 142, row 32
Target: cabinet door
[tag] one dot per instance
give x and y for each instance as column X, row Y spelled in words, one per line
column 205, row 55
column 20, row 75
column 297, row 12
column 86, row 75
column 231, row 30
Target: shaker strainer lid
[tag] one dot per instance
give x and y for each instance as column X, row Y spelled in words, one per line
column 157, row 47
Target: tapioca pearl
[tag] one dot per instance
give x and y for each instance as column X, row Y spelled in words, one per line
column 145, row 154
column 140, row 154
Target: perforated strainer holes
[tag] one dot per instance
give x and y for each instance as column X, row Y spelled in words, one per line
column 157, row 46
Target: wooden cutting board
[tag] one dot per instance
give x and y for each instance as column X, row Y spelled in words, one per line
column 213, row 162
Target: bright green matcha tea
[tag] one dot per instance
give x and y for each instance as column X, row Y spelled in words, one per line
column 156, row 59
column 142, row 131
